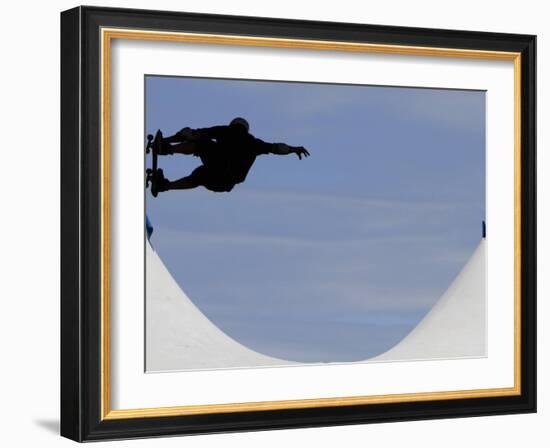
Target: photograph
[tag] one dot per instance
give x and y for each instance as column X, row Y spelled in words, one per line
column 292, row 223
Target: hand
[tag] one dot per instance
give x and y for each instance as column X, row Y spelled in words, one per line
column 301, row 151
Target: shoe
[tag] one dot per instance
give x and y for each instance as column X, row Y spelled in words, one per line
column 159, row 183
column 162, row 148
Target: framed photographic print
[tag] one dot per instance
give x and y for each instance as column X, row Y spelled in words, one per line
column 273, row 223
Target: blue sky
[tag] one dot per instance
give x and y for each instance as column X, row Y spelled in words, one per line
column 338, row 256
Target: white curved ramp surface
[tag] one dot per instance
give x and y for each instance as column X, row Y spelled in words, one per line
column 179, row 336
column 456, row 326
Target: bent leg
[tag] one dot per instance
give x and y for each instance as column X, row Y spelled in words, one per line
column 188, row 148
column 194, row 180
column 180, row 143
column 200, row 177
column 185, row 183
column 180, row 136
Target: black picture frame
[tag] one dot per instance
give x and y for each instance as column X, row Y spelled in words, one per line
column 81, row 224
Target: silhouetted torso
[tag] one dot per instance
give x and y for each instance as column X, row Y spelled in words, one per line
column 228, row 152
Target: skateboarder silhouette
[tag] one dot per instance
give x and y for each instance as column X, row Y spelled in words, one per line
column 227, row 154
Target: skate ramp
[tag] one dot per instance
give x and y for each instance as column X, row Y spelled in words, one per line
column 456, row 326
column 180, row 337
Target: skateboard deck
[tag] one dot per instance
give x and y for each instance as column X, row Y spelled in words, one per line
column 154, row 146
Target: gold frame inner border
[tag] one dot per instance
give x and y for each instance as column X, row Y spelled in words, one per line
column 107, row 36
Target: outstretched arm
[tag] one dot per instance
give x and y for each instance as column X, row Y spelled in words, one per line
column 284, row 149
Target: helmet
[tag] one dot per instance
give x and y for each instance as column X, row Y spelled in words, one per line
column 240, row 122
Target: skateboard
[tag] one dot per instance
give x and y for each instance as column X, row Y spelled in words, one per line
column 154, row 146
